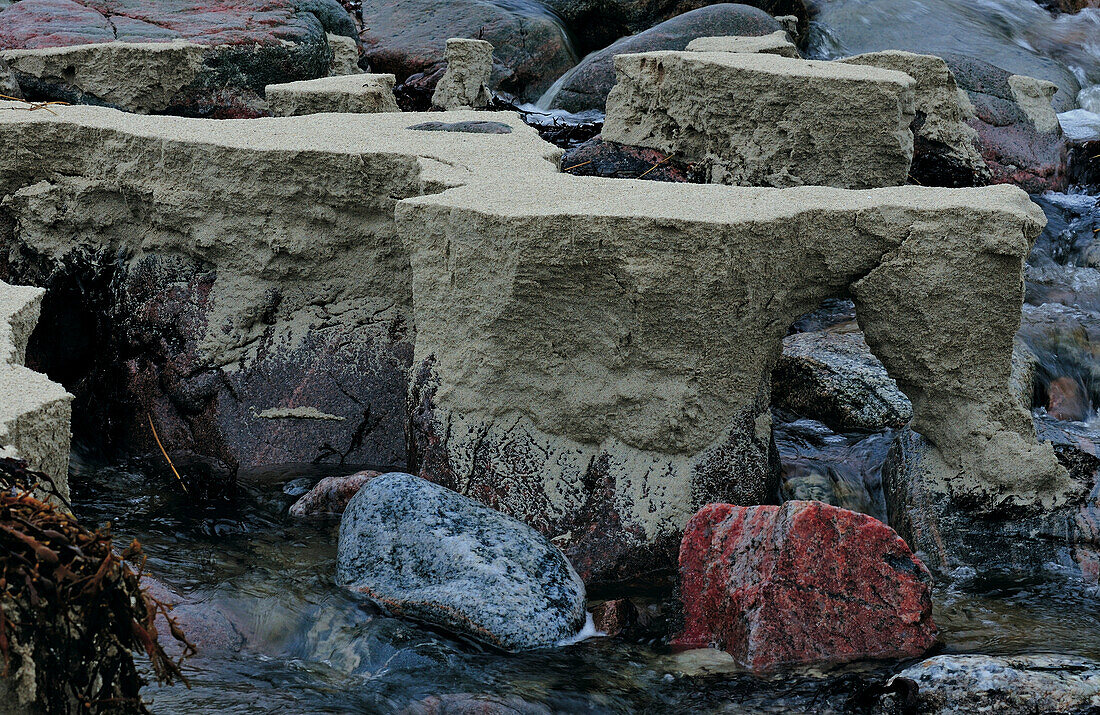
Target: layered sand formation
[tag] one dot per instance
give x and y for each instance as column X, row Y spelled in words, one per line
column 589, row 355
column 34, row 412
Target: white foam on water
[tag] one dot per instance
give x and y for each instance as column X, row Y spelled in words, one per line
column 588, row 631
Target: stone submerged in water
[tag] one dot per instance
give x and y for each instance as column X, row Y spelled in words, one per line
column 430, row 554
column 802, row 583
column 1009, row 685
column 331, row 495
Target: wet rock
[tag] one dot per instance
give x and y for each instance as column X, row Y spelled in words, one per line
column 587, row 85
column 1021, row 143
column 251, row 43
column 1067, row 379
column 1014, row 685
column 354, row 93
column 331, row 495
column 1017, row 38
column 1066, row 399
column 465, row 83
column 770, row 120
column 832, row 376
column 944, row 144
column 1083, row 164
column 616, row 617
column 801, row 583
column 598, row 157
column 408, row 37
column 843, row 470
column 474, row 704
column 949, row 530
column 426, row 553
column 598, row 24
column 207, row 627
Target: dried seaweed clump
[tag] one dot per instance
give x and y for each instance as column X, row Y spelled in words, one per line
column 72, row 610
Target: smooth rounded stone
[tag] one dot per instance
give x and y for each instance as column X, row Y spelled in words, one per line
column 598, row 23
column 1080, row 125
column 833, row 377
column 587, row 85
column 331, row 495
column 408, row 37
column 427, row 553
column 801, row 583
column 1007, row 685
column 465, row 83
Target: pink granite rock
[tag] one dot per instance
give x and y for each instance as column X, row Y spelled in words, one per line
column 801, row 583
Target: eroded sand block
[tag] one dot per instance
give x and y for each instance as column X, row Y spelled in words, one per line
column 593, row 354
column 466, row 81
column 354, row 93
column 345, row 55
column 942, row 114
column 213, row 273
column 136, row 76
column 34, row 412
column 777, row 43
column 761, row 119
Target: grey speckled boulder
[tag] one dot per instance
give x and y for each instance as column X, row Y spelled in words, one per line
column 832, row 376
column 1015, row 684
column 427, row 553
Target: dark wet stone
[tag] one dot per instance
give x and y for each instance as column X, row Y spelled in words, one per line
column 832, row 376
column 407, row 37
column 464, row 127
column 598, row 23
column 1003, row 542
column 586, row 86
column 427, row 553
column 1010, row 144
column 597, row 157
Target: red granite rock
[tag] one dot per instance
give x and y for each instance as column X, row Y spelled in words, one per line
column 615, row 617
column 801, row 583
column 331, row 495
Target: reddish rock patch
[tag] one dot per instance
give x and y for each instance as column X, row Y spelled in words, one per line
column 801, row 583
column 331, row 495
column 253, row 43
